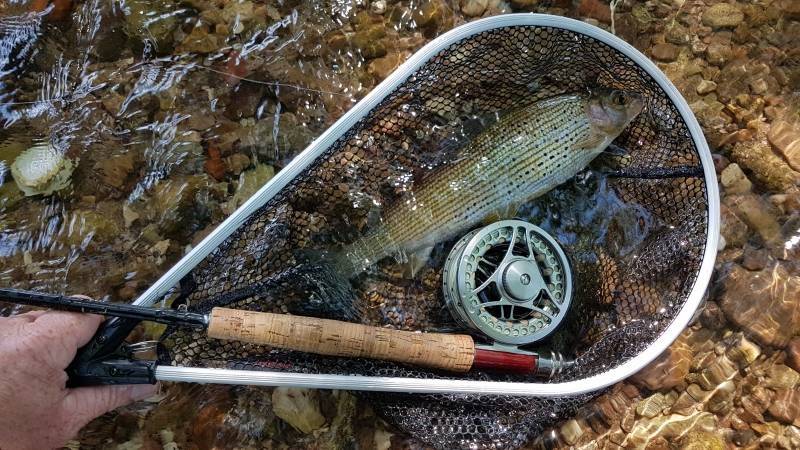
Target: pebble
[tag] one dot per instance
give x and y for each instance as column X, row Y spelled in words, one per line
column 723, row 15
column 793, row 354
column 474, row 8
column 734, row 180
column 755, row 258
column 765, row 304
column 669, row 369
column 378, row 7
column 718, row 53
column 571, row 431
column 786, row 405
column 785, row 137
column 595, row 9
column 665, row 52
column 757, row 215
column 298, row 407
column 706, row 86
column 733, row 229
column 764, row 165
column 781, row 376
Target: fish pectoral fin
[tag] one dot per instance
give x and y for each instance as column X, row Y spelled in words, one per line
column 506, row 212
column 594, row 140
column 417, row 260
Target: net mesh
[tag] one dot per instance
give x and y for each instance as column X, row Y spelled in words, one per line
column 636, row 243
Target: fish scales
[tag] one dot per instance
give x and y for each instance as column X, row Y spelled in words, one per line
column 525, row 154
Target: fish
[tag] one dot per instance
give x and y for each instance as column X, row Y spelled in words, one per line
column 526, row 153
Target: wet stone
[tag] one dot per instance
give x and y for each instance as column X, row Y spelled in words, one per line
column 665, row 52
column 723, row 15
column 764, row 304
column 718, row 53
column 734, row 230
column 669, row 369
column 793, row 354
column 300, row 408
column 755, row 258
column 785, row 137
column 786, row 406
column 706, row 87
column 734, row 180
column 571, row 431
column 757, row 214
column 474, row 8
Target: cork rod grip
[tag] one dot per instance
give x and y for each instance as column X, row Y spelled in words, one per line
column 330, row 337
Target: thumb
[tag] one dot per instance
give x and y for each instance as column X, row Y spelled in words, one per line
column 82, row 405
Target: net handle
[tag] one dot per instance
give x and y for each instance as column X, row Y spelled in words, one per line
column 450, row 352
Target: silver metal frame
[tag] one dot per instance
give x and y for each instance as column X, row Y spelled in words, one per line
column 624, row 370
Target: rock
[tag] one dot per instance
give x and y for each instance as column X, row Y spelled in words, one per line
column 378, row 7
column 595, row 9
column 742, row 351
column 758, row 86
column 430, row 14
column 665, row 52
column 706, row 87
column 116, row 171
column 723, row 15
column 670, row 427
column 786, row 406
column 785, row 137
column 734, row 231
column 42, row 170
column 712, row 316
column 381, row 68
column 721, row 399
column 155, row 21
column 129, row 215
column 702, row 440
column 734, row 180
column 200, row 40
column 757, row 214
column 473, row 8
column 370, row 42
column 249, row 182
column 298, row 407
column 765, row 166
column 718, row 53
column 765, row 304
column 237, row 163
column 793, row 354
column 755, row 258
column 653, row 405
column 781, row 376
column 571, row 431
column 722, row 369
column 669, row 369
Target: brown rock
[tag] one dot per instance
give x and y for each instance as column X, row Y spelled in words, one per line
column 380, row 68
column 767, row 168
column 595, row 9
column 669, row 369
column 733, row 229
column 117, row 170
column 757, row 214
column 786, row 405
column 785, row 137
column 765, row 304
column 734, row 180
column 793, row 354
column 718, row 53
column 473, row 8
column 665, row 52
column 723, row 15
column 755, row 258
column 706, row 86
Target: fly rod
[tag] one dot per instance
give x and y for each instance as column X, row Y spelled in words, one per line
column 450, row 352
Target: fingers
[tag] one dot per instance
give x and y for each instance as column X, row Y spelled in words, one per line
column 74, row 329
column 82, row 405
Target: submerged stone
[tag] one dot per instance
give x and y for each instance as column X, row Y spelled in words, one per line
column 765, row 304
column 723, row 15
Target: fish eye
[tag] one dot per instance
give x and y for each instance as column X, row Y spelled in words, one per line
column 619, row 98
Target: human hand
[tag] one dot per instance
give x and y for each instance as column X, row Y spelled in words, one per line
column 37, row 411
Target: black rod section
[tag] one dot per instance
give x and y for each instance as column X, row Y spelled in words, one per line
column 74, row 304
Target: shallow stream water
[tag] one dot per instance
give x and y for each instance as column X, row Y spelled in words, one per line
column 163, row 117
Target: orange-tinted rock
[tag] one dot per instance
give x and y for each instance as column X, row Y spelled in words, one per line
column 785, row 137
column 235, row 68
column 786, row 406
column 61, row 8
column 595, row 9
column 765, row 304
column 793, row 354
column 214, row 165
column 669, row 369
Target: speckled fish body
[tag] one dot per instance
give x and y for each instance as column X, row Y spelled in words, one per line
column 525, row 154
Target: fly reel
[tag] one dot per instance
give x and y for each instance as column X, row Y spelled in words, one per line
column 510, row 281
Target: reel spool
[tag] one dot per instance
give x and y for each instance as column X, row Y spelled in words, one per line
column 510, row 281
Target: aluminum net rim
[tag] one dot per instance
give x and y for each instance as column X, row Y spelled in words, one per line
column 305, row 158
